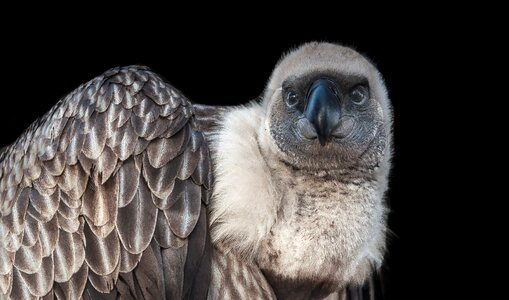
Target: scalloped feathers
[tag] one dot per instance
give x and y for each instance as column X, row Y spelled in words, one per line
column 100, row 192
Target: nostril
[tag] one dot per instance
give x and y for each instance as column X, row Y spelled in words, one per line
column 306, row 129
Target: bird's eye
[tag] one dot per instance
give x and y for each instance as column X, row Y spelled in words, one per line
column 291, row 98
column 359, row 94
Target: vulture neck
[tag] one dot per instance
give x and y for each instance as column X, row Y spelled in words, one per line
column 309, row 233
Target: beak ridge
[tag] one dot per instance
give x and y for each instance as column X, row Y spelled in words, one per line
column 323, row 108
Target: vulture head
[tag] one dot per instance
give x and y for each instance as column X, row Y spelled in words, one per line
column 327, row 108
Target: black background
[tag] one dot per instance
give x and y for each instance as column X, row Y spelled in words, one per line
column 227, row 68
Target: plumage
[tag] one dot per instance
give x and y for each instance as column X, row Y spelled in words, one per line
column 5, row 283
column 68, row 225
column 161, row 151
column 104, row 283
column 9, row 194
column 197, row 262
column 107, row 162
column 123, row 141
column 189, row 162
column 48, row 149
column 175, row 260
column 128, row 261
column 202, row 174
column 56, row 166
column 161, row 180
column 95, row 140
column 73, row 183
column 86, row 164
column 126, row 189
column 14, row 221
column 97, row 206
column 160, row 127
column 78, row 246
column 103, row 254
column 142, row 127
column 31, row 231
column 164, row 236
column 151, row 89
column 46, row 182
column 104, row 99
column 67, row 211
column 76, row 140
column 112, row 120
column 49, row 296
column 73, row 289
column 168, row 110
column 29, row 258
column 40, row 282
column 19, row 289
column 149, row 275
column 12, row 242
column 128, row 181
column 48, row 236
column 7, row 259
column 64, row 256
column 148, row 110
column 185, row 212
column 35, row 168
column 141, row 145
column 136, row 221
column 43, row 206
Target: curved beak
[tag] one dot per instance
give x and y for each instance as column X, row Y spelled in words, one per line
column 323, row 108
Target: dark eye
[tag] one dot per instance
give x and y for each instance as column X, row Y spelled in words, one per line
column 359, row 94
column 291, row 98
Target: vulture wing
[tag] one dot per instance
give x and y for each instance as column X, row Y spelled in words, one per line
column 105, row 196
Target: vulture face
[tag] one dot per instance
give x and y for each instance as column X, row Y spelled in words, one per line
column 324, row 105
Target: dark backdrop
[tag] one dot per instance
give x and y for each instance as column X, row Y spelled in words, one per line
column 218, row 68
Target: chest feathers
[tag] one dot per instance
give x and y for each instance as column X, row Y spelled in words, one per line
column 310, row 233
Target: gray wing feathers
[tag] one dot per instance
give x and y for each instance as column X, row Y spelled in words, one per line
column 208, row 117
column 104, row 196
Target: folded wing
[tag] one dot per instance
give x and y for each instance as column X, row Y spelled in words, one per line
column 105, row 195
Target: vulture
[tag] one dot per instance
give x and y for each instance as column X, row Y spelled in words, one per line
column 126, row 189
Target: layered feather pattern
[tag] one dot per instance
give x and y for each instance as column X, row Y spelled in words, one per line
column 102, row 195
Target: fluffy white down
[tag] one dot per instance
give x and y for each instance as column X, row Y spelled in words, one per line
column 246, row 201
column 242, row 208
column 340, row 234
